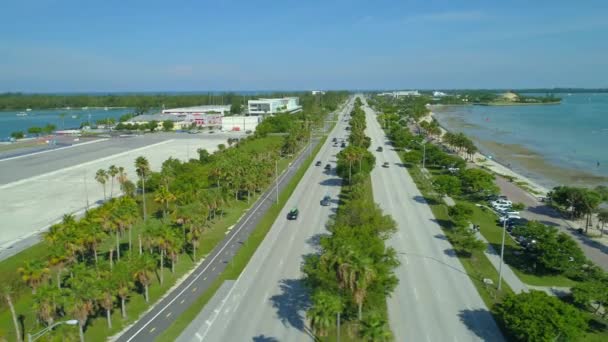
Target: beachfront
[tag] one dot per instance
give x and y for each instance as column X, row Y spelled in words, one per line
column 527, row 191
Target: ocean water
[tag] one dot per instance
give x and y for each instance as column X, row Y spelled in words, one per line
column 572, row 134
column 10, row 122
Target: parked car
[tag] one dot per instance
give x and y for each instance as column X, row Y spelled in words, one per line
column 326, row 201
column 385, row 164
column 327, row 167
column 501, row 201
column 510, row 212
column 293, row 214
column 453, row 170
column 343, row 144
column 318, row 163
column 507, row 218
column 334, row 139
column 501, row 207
column 379, row 149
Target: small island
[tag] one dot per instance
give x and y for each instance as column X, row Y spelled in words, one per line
column 494, row 98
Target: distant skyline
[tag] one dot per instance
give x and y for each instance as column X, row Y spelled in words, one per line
column 132, row 46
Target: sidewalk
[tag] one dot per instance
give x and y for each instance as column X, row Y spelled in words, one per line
column 494, row 256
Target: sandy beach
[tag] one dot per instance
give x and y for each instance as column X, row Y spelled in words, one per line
column 501, row 169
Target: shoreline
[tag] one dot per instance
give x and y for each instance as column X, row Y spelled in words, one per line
column 523, row 164
column 498, row 168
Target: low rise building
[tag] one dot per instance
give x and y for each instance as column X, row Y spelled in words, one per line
column 198, row 110
column 273, row 106
column 144, row 119
column 240, row 123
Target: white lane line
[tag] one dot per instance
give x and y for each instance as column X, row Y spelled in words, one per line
column 55, row 149
column 200, row 338
column 204, row 269
column 428, row 338
column 21, row 181
column 415, row 293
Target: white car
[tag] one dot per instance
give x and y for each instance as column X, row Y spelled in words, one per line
column 501, row 202
column 509, row 212
column 501, row 207
column 502, row 219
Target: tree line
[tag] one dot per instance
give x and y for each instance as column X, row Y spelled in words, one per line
column 352, row 275
column 533, row 316
column 118, row 251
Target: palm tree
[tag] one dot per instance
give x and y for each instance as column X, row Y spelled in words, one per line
column 102, row 178
column 45, row 303
column 322, row 314
column 121, row 277
column 163, row 196
column 57, row 260
column 7, row 291
column 194, row 235
column 107, row 295
column 363, row 273
column 112, row 172
column 602, row 217
column 81, row 296
column 143, row 168
column 375, row 329
column 34, row 273
column 95, row 235
column 144, row 268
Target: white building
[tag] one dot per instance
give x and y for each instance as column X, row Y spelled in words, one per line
column 401, row 93
column 315, row 92
column 198, row 110
column 439, row 94
column 273, row 106
column 240, row 123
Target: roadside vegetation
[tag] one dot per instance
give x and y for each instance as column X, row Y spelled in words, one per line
column 352, row 275
column 108, row 267
column 550, row 258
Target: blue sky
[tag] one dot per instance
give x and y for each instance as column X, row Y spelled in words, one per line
column 55, row 45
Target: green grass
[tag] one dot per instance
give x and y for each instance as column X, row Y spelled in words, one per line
column 489, row 228
column 243, row 256
column 97, row 329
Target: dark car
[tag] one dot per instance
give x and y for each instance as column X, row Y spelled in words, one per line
column 327, row 167
column 318, row 163
column 334, row 139
column 293, row 214
column 379, row 149
column 385, row 164
column 326, row 201
column 343, row 145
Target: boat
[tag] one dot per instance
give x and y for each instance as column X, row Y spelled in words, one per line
column 85, row 108
column 74, row 117
column 105, row 108
column 28, row 110
column 22, row 114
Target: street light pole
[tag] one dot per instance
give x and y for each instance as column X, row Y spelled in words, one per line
column 34, row 337
column 502, row 253
column 276, row 177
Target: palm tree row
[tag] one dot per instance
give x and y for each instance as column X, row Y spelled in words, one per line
column 460, row 143
column 353, row 273
column 116, row 252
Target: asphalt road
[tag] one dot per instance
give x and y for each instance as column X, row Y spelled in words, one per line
column 16, row 166
column 62, row 181
column 268, row 301
column 283, row 264
column 435, row 299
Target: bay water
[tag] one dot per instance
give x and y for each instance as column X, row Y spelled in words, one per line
column 572, row 135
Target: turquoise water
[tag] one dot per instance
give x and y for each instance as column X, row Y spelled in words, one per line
column 10, row 122
column 573, row 134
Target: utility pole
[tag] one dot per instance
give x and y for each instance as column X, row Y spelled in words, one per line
column 86, row 192
column 276, row 177
column 502, row 253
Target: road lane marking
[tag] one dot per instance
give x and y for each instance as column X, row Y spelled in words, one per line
column 152, row 330
column 168, row 315
column 213, row 269
column 205, row 278
column 428, row 338
column 194, row 289
column 182, row 301
column 415, row 293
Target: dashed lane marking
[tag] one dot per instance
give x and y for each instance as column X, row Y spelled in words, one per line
column 152, row 330
column 168, row 315
column 194, row 289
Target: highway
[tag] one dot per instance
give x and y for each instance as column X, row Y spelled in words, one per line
column 435, row 299
column 268, row 301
